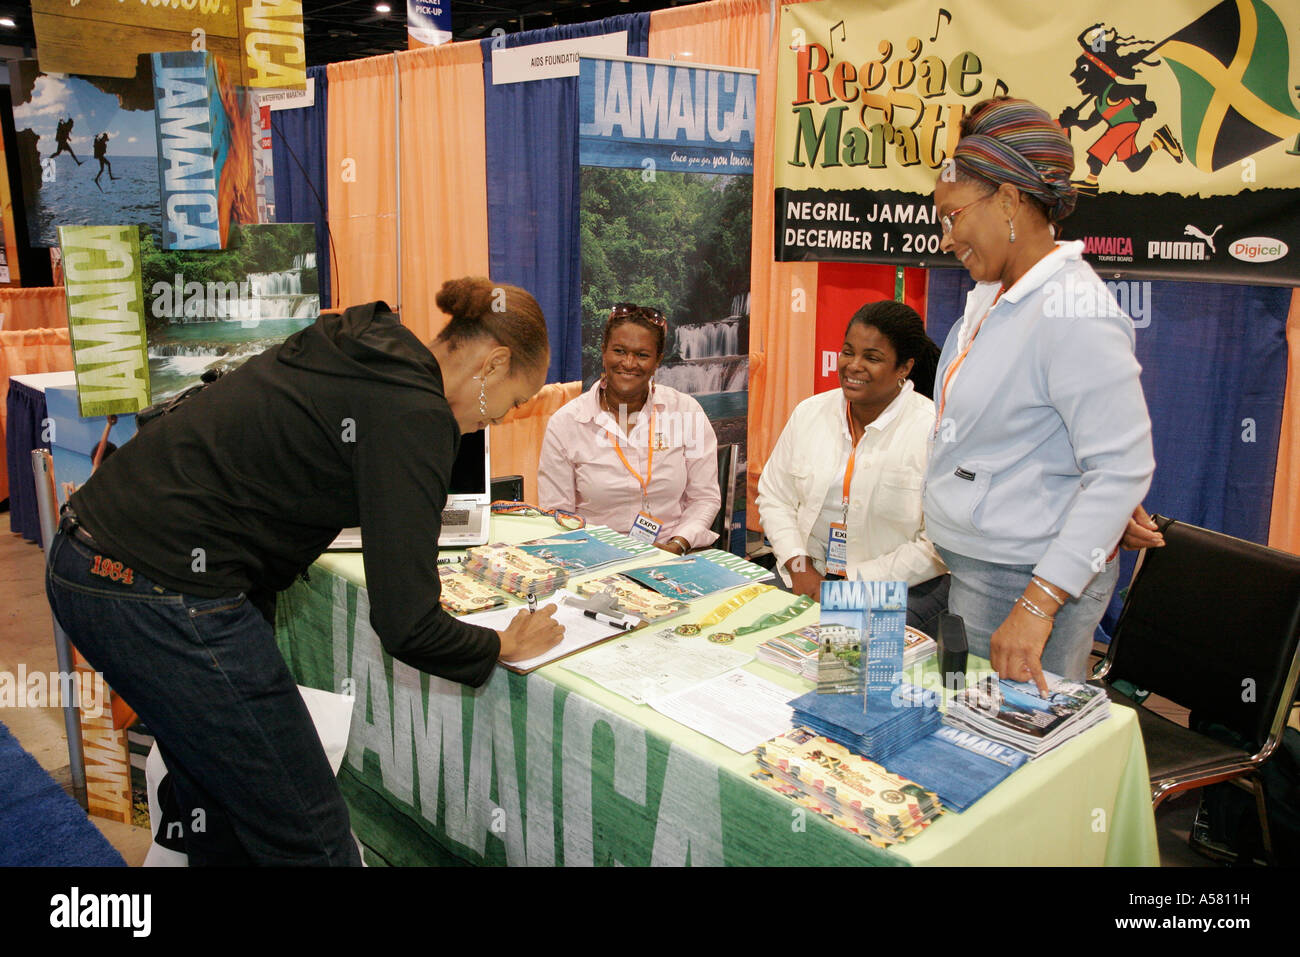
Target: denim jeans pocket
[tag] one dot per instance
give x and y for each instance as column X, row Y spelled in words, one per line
column 1102, row 585
column 200, row 607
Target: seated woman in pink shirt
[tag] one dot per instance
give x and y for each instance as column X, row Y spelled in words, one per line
column 638, row 457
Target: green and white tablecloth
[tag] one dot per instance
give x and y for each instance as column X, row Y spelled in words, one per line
column 550, row 768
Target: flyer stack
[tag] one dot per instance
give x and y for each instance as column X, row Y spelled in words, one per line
column 1014, row 713
column 885, row 727
column 852, row 792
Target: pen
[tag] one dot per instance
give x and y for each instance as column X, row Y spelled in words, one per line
column 621, row 623
column 450, row 561
column 532, row 603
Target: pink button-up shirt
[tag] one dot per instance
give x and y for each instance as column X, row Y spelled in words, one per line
column 580, row 469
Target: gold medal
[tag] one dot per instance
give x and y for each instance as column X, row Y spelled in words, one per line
column 687, row 630
column 722, row 638
column 738, row 600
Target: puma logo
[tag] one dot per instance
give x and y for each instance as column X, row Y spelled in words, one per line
column 1190, row 230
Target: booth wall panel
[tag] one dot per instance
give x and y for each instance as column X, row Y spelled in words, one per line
column 300, row 150
column 444, row 182
column 362, row 179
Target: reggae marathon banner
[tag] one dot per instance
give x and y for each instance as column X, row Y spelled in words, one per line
column 667, row 155
column 1183, row 116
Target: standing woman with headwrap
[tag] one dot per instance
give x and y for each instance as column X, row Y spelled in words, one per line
column 1042, row 442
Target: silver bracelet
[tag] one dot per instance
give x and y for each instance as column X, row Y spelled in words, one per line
column 1048, row 590
column 1033, row 609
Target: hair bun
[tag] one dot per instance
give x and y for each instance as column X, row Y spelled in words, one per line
column 466, row 298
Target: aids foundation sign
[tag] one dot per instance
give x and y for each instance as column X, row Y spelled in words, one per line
column 1183, row 114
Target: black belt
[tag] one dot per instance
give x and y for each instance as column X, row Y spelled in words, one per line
column 69, row 525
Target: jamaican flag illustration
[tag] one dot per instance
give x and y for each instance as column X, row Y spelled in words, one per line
column 1232, row 65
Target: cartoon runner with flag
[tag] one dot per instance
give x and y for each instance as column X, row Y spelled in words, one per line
column 1100, row 73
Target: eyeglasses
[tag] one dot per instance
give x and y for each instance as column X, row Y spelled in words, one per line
column 631, row 309
column 948, row 220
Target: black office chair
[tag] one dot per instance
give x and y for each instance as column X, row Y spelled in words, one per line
column 722, row 524
column 1212, row 623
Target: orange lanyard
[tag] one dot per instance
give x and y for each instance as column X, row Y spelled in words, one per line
column 649, row 458
column 956, row 363
column 848, row 469
column 853, row 457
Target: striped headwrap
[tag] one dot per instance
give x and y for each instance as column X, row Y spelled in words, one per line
column 1016, row 142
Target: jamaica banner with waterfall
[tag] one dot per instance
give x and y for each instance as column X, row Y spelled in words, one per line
column 667, row 192
column 1183, row 116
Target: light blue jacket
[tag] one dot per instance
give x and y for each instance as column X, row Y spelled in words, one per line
column 1043, row 449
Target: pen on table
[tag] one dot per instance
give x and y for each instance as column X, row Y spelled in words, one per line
column 622, row 623
column 450, row 561
column 532, row 603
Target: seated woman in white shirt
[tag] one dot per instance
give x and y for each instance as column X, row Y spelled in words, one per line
column 845, row 475
column 638, row 457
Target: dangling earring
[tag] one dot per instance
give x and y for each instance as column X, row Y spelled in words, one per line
column 482, row 396
column 1013, row 230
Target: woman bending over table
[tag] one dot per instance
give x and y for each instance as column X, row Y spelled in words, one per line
column 840, row 495
column 639, row 457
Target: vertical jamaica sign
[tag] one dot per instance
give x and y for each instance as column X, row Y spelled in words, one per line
column 106, row 318
column 667, row 155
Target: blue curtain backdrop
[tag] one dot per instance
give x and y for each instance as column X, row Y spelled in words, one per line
column 1214, row 372
column 532, row 184
column 298, row 155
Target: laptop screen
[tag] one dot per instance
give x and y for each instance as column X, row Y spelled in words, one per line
column 469, row 473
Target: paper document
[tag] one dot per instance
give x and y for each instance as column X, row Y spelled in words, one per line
column 738, row 709
column 579, row 630
column 645, row 666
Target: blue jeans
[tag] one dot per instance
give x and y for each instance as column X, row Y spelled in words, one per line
column 208, row 681
column 983, row 593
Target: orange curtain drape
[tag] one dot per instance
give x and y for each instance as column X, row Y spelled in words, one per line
column 783, row 296
column 25, row 352
column 362, row 180
column 517, row 441
column 444, row 177
column 1284, row 528
column 44, row 307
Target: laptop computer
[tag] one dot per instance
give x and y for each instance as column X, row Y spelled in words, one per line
column 469, row 495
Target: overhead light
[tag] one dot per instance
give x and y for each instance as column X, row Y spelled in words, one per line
column 383, row 8
column 7, row 22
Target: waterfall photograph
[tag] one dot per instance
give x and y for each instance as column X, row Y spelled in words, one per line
column 214, row 309
column 679, row 242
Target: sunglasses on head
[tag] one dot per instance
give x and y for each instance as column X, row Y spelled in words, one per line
column 630, row 309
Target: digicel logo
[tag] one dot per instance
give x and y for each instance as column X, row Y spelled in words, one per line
column 1257, row 249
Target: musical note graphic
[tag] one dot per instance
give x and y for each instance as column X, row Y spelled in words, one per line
column 832, row 36
column 945, row 16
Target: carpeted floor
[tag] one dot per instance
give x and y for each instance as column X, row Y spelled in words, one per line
column 40, row 826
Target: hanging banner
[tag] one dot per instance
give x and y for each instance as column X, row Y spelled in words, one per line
column 106, row 317
column 428, row 23
column 205, row 151
column 261, row 41
column 87, row 149
column 1183, row 116
column 666, row 215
